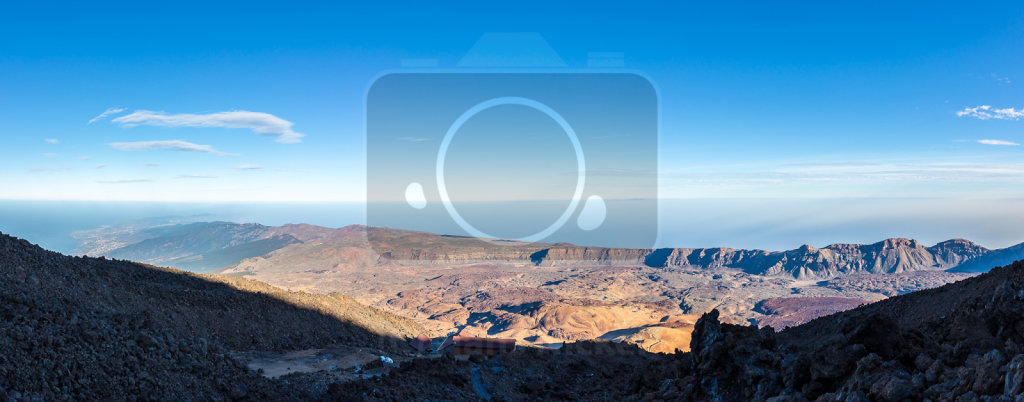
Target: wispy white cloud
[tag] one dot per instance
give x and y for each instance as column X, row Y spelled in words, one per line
column 195, row 176
column 414, row 139
column 998, row 142
column 100, row 166
column 52, row 140
column 829, row 178
column 985, row 112
column 1003, row 80
column 249, row 166
column 106, row 113
column 50, row 155
column 170, row 145
column 124, row 181
column 260, row 123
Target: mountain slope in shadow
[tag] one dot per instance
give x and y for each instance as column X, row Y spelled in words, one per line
column 995, row 258
column 89, row 328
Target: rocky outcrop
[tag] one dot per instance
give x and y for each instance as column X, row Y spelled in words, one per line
column 958, row 341
column 952, row 253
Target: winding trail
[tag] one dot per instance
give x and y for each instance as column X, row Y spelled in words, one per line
column 478, row 385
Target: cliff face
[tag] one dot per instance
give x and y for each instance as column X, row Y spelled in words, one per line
column 895, row 255
column 596, row 255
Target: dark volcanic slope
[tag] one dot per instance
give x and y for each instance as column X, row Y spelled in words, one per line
column 105, row 329
column 961, row 341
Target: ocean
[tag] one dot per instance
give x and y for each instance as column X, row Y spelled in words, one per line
column 770, row 224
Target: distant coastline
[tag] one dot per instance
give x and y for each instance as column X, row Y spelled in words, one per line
column 768, row 224
column 51, row 223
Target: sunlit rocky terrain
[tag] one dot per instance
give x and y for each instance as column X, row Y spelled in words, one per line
column 547, row 294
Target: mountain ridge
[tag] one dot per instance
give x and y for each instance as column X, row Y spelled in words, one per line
column 397, row 246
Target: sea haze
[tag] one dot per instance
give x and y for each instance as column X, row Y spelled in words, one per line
column 772, row 224
column 51, row 223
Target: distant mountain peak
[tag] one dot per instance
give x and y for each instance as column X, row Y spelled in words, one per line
column 899, row 242
column 958, row 242
column 807, row 248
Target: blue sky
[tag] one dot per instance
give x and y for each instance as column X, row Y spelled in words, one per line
column 788, row 99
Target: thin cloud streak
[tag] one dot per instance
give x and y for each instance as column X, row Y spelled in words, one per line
column 756, row 179
column 998, row 142
column 169, row 145
column 260, row 123
column 106, row 113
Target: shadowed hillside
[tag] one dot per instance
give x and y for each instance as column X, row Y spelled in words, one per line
column 92, row 328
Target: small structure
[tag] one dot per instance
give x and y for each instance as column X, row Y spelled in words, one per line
column 465, row 346
column 421, row 343
column 450, row 339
